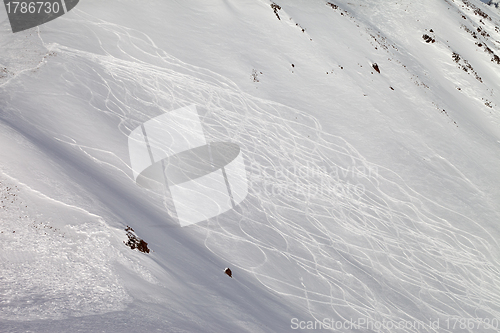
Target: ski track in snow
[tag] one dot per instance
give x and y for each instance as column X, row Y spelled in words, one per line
column 351, row 238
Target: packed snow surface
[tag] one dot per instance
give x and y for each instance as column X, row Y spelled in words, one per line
column 370, row 132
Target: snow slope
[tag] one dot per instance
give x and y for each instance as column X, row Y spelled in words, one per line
column 372, row 196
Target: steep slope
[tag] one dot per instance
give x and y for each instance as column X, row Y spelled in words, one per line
column 370, row 133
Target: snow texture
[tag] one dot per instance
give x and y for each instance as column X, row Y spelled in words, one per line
column 371, row 152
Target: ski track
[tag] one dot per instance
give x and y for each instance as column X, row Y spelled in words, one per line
column 357, row 241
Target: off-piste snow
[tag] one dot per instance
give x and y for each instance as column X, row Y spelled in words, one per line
column 370, row 135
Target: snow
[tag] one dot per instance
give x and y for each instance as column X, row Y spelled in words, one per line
column 372, row 196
